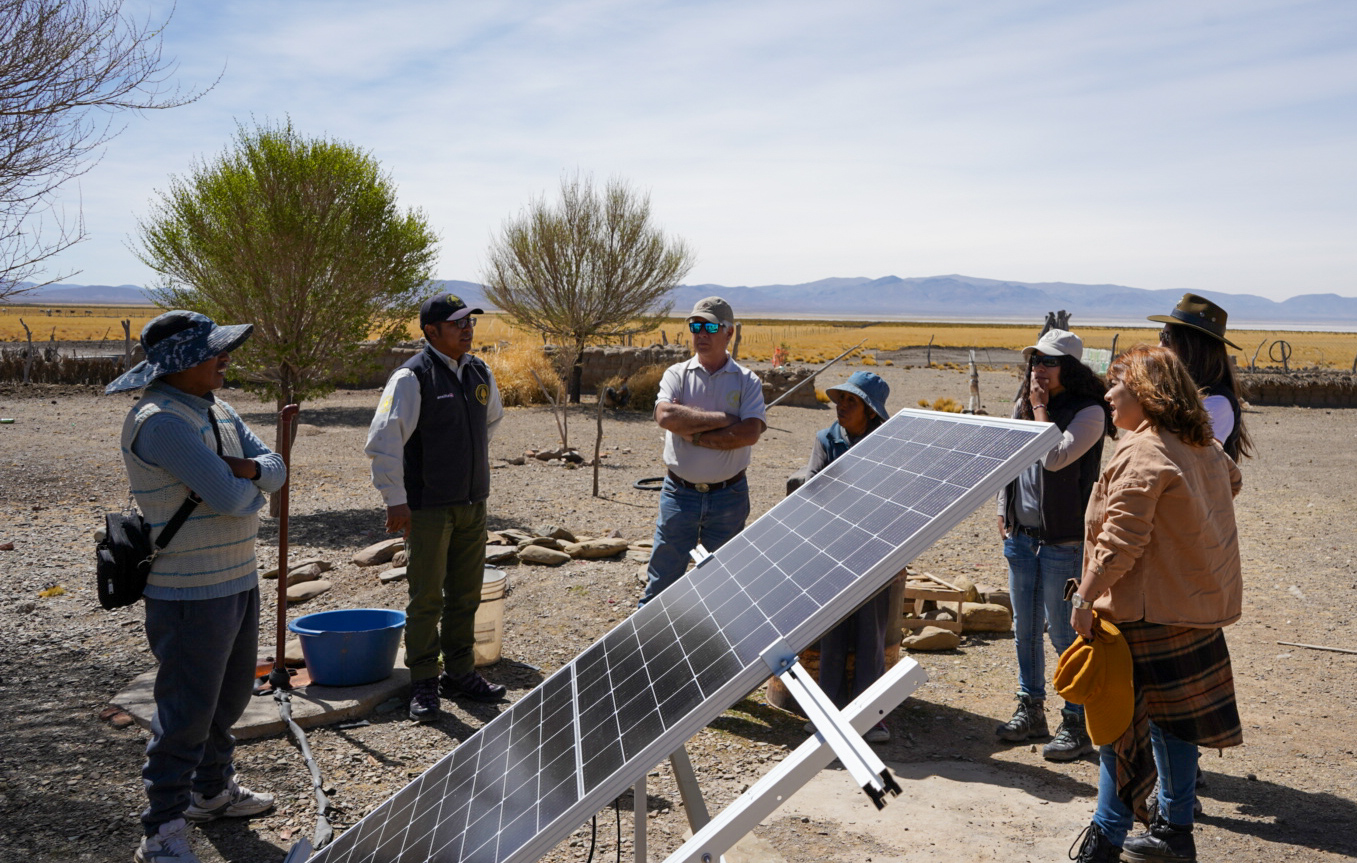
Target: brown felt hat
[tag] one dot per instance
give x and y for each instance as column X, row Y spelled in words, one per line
column 1097, row 673
column 1199, row 313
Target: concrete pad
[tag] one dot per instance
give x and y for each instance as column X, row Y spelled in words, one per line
column 751, row 848
column 312, row 704
column 950, row 811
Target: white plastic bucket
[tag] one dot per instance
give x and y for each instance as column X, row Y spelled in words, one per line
column 490, row 618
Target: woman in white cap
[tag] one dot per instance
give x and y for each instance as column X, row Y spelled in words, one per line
column 1195, row 331
column 1041, row 521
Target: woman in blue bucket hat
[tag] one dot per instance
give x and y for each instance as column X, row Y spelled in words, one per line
column 202, row 594
column 860, row 403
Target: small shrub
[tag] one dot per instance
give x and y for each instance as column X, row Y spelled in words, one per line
column 513, row 369
column 645, row 388
column 946, row 405
column 887, row 363
column 821, row 396
column 868, row 360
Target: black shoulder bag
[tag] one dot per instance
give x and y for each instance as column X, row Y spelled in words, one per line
column 123, row 558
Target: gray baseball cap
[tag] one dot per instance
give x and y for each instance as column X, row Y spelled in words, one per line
column 714, row 309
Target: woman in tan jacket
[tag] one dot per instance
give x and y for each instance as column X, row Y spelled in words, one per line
column 1161, row 560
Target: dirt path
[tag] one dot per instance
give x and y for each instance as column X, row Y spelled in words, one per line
column 69, row 786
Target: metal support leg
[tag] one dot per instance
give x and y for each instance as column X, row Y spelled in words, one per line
column 639, row 807
column 689, row 792
column 766, row 795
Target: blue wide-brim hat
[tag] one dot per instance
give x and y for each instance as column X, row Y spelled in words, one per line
column 867, row 386
column 176, row 341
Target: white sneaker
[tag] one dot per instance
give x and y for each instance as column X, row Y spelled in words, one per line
column 878, row 733
column 234, row 801
column 168, row 845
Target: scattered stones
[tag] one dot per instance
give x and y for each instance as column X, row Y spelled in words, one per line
column 9, row 546
column 641, row 555
column 492, row 538
column 595, row 549
column 307, row 590
column 518, row 459
column 986, row 617
column 543, row 541
column 541, row 555
column 931, row 638
column 393, row 574
column 514, row 535
column 380, row 552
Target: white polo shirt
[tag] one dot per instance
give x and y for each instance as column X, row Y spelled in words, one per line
column 731, row 389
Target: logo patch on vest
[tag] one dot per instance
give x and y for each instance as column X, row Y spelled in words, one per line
column 483, row 394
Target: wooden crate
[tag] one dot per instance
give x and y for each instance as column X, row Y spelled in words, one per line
column 923, row 586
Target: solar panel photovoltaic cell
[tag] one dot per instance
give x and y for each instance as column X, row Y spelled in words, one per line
column 524, row 781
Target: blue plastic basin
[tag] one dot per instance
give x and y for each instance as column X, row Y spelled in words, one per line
column 351, row 646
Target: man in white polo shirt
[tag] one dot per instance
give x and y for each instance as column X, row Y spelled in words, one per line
column 711, row 409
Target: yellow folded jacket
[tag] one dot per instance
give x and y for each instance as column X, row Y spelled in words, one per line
column 1097, row 674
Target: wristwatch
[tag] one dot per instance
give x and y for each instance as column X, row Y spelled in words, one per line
column 1080, row 603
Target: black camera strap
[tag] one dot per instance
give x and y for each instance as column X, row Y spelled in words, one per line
column 191, row 502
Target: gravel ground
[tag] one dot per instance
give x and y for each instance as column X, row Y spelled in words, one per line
column 69, row 786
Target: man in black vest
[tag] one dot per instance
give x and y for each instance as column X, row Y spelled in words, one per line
column 429, row 445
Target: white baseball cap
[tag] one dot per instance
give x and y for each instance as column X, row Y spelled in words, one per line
column 1057, row 343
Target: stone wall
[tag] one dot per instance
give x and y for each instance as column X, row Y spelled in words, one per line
column 1325, row 389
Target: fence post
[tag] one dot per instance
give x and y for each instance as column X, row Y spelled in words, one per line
column 28, row 357
column 127, row 344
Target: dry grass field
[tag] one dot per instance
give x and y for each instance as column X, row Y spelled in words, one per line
column 806, row 341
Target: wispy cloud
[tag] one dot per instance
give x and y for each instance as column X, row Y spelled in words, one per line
column 1158, row 144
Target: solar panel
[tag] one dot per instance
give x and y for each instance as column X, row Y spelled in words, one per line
column 528, row 778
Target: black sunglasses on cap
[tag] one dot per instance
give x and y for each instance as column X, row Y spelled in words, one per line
column 1042, row 360
column 704, row 326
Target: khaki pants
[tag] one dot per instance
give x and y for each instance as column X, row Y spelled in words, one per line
column 445, row 567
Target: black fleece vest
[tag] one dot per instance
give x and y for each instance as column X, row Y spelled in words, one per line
column 447, row 460
column 1065, row 492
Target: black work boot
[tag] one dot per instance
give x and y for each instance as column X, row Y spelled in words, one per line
column 1028, row 721
column 1071, row 739
column 1162, row 843
column 1095, row 848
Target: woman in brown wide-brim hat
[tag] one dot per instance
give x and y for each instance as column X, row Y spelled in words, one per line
column 1195, row 331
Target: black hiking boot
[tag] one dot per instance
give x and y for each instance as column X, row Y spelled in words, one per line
column 424, row 700
column 1028, row 721
column 1162, row 843
column 1071, row 739
column 1095, row 847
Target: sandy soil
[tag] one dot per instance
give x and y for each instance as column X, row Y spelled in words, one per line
column 69, row 784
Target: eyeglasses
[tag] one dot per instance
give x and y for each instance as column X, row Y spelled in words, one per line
column 1048, row 362
column 464, row 323
column 704, row 327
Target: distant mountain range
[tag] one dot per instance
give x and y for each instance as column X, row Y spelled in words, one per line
column 964, row 297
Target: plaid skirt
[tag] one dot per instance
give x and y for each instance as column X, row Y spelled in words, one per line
column 1185, row 684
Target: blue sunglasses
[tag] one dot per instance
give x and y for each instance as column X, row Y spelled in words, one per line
column 700, row 326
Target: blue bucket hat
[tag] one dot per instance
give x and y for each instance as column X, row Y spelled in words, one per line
column 176, row 341
column 867, row 386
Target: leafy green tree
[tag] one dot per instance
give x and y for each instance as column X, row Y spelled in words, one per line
column 301, row 237
column 589, row 268
column 68, row 69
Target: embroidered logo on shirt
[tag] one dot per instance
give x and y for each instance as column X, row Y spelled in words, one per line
column 483, row 394
column 733, row 400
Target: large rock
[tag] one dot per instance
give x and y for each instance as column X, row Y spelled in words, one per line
column 550, row 542
column 292, row 654
column 931, row 638
column 998, row 597
column 380, row 552
column 514, row 535
column 500, row 554
column 986, row 617
column 400, row 558
column 294, row 565
column 394, row 574
column 595, row 549
column 307, row 590
column 543, row 556
column 555, row 531
column 962, row 582
column 299, row 574
column 639, row 556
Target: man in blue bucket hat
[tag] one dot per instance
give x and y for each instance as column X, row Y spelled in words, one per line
column 860, row 405
column 202, row 594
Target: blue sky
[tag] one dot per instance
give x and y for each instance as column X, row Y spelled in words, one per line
column 1178, row 145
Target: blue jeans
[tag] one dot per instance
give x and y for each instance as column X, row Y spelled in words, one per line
column 689, row 517
column 207, row 649
column 1036, row 587
column 863, row 633
column 1176, row 761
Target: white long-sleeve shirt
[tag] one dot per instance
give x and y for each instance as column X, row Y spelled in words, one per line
column 396, row 419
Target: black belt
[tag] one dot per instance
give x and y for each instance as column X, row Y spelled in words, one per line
column 1034, row 532
column 705, row 487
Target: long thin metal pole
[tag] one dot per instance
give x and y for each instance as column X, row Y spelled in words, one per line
column 815, row 373
column 639, row 809
column 278, row 677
